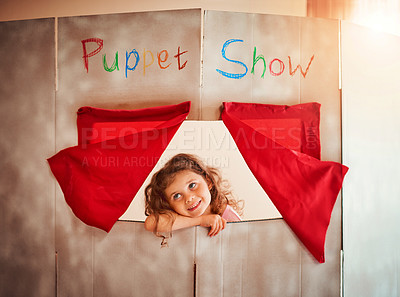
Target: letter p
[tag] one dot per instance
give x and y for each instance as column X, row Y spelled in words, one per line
column 86, row 55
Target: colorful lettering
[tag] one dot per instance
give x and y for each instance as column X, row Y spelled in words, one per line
column 223, row 52
column 113, row 66
column 163, row 60
column 86, row 55
column 256, row 59
column 146, row 56
column 178, row 56
column 93, row 46
column 281, row 67
column 144, row 60
column 137, row 59
column 276, row 66
column 304, row 73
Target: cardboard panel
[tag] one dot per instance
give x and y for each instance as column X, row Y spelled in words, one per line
column 74, row 247
column 371, row 145
column 273, row 260
column 113, row 261
column 118, row 61
column 267, row 42
column 158, row 63
column 276, row 39
column 131, row 262
column 245, row 259
column 248, row 259
column 165, row 271
column 301, row 65
column 81, row 249
column 319, row 39
column 229, row 29
column 209, row 264
column 27, row 139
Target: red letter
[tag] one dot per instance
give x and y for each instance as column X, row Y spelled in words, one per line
column 281, row 69
column 178, row 56
column 163, row 60
column 91, row 54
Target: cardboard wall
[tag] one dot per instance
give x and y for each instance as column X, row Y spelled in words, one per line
column 278, row 39
column 139, row 82
column 128, row 261
column 27, row 254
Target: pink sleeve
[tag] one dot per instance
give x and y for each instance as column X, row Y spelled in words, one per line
column 230, row 215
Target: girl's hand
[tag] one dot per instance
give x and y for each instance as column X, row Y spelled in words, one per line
column 215, row 222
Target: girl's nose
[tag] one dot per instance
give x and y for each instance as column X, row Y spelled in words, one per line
column 189, row 198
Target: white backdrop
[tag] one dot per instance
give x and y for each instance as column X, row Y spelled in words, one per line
column 371, row 146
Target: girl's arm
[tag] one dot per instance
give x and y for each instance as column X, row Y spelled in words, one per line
column 214, row 221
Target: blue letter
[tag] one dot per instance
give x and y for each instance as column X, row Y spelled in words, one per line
column 227, row 74
column 127, row 59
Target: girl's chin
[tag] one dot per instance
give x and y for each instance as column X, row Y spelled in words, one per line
column 195, row 214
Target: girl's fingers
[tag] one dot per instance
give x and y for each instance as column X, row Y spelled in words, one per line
column 223, row 223
column 213, row 230
column 218, row 226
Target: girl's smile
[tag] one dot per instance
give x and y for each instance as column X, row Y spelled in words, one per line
column 194, row 206
column 189, row 194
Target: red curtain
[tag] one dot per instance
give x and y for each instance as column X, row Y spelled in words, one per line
column 296, row 126
column 100, row 176
column 303, row 188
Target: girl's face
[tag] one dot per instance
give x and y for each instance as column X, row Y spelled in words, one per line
column 189, row 194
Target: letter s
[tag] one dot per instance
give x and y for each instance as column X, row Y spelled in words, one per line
column 223, row 51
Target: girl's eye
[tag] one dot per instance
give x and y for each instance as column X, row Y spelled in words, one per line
column 176, row 196
column 192, row 185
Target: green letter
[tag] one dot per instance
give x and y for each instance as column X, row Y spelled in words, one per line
column 114, row 65
column 256, row 59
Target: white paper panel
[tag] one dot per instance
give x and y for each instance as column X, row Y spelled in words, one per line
column 212, row 142
column 371, row 146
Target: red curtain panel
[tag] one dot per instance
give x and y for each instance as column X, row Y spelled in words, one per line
column 100, row 176
column 303, row 188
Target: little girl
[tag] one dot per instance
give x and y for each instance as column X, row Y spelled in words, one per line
column 186, row 193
